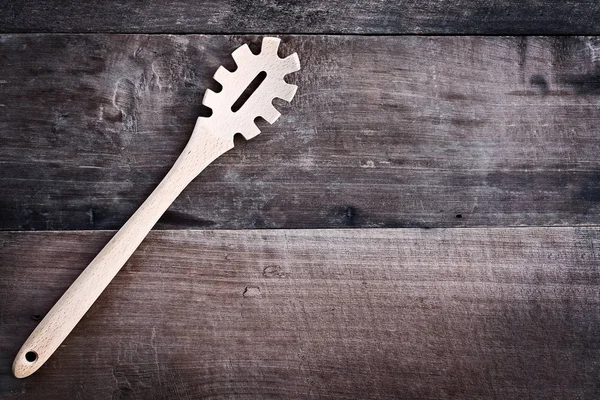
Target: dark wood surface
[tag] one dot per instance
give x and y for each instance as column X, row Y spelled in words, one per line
column 337, row 314
column 491, row 141
column 314, row 16
column 384, row 132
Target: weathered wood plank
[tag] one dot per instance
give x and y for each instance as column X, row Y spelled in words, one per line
column 382, row 313
column 384, row 132
column 334, row 16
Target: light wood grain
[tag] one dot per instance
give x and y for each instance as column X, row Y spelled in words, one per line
column 211, row 137
column 385, row 132
column 312, row 16
column 439, row 313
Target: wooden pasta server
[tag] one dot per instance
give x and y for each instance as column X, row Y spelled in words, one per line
column 212, row 136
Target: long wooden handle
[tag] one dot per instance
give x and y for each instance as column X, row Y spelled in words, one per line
column 80, row 296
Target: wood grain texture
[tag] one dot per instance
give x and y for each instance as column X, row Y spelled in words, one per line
column 384, row 313
column 384, row 132
column 335, row 16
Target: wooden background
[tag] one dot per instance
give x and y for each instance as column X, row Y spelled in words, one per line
column 422, row 222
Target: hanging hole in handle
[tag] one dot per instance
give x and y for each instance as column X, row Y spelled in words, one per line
column 31, row 356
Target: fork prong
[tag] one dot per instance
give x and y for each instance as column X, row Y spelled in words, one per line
column 286, row 91
column 242, row 54
column 209, row 98
column 221, row 75
column 250, row 130
column 291, row 63
column 270, row 44
column 270, row 114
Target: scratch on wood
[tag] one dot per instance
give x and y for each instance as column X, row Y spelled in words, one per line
column 126, row 101
column 156, row 361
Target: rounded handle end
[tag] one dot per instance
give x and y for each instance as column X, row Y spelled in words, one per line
column 26, row 363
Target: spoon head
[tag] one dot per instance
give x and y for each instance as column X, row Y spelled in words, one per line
column 265, row 68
